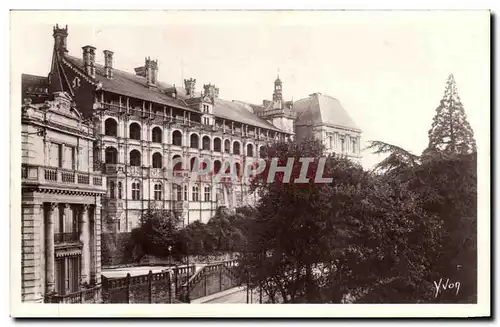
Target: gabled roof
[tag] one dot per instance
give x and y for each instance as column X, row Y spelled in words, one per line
column 321, row 109
column 129, row 84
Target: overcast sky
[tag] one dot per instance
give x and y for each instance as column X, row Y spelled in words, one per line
column 388, row 69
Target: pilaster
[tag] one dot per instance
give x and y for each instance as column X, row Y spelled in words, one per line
column 32, row 262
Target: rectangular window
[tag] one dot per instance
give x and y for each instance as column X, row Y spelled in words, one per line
column 59, row 276
column 73, row 274
column 157, row 192
column 354, row 146
column 178, row 192
column 73, row 158
column 207, row 193
column 60, row 155
column 185, row 193
column 136, row 194
column 342, row 145
column 67, row 275
column 195, row 193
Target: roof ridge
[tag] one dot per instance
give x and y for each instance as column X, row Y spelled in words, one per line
column 241, row 115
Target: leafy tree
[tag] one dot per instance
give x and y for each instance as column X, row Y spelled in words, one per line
column 450, row 132
column 397, row 162
column 157, row 231
column 196, row 239
column 447, row 187
column 318, row 242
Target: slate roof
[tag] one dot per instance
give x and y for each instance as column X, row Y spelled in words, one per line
column 34, row 87
column 320, row 109
column 130, row 84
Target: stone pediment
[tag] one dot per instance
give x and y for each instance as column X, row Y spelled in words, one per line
column 64, row 104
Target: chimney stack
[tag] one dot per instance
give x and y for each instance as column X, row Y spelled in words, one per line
column 211, row 91
column 108, row 63
column 151, row 67
column 60, row 38
column 189, row 85
column 89, row 60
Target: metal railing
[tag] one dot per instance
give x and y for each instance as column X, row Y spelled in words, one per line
column 67, row 237
column 91, row 295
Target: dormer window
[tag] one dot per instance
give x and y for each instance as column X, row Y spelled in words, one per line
column 206, row 108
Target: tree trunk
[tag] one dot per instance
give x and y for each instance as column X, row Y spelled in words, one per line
column 309, row 295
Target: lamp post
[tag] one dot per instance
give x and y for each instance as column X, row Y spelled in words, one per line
column 188, row 300
column 170, row 255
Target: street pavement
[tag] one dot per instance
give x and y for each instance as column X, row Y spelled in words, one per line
column 233, row 295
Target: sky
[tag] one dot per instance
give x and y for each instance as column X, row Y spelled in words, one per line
column 387, row 68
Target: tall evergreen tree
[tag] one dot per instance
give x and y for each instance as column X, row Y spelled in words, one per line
column 450, row 132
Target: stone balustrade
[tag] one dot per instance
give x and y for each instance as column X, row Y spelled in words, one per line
column 38, row 174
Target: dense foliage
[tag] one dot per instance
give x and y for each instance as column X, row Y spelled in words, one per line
column 388, row 235
column 159, row 233
column 450, row 132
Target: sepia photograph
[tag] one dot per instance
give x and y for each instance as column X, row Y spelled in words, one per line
column 260, row 158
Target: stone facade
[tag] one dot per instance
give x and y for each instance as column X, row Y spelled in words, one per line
column 143, row 126
column 61, row 205
column 322, row 117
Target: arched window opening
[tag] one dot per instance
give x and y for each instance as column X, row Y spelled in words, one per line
column 217, row 145
column 135, row 158
column 177, row 163
column 249, row 150
column 111, row 155
column 262, row 152
column 110, row 127
column 236, row 148
column 136, row 191
column 157, row 160
column 195, row 144
column 192, row 163
column 206, row 143
column 135, row 131
column 120, row 190
column 177, row 138
column 156, row 135
column 195, row 194
column 157, row 192
column 238, row 169
column 217, row 166
column 227, row 146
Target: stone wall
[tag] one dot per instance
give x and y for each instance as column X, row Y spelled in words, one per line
column 150, row 288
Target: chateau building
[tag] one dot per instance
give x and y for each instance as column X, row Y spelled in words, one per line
column 61, row 204
column 144, row 127
column 322, row 117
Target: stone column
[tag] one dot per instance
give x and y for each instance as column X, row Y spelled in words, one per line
column 85, row 239
column 49, row 249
